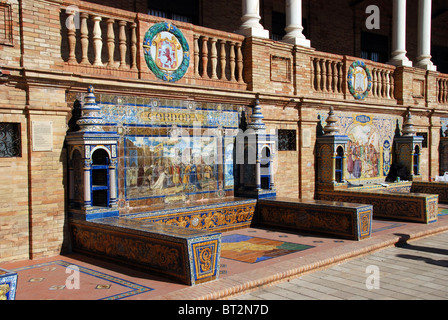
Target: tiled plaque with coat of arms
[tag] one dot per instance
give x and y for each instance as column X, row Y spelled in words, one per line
column 166, row 51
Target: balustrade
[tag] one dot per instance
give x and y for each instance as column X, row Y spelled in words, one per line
column 209, row 50
column 99, row 40
column 382, row 83
column 89, row 36
column 328, row 74
column 442, row 89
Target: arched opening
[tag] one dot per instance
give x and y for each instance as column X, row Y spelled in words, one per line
column 416, row 160
column 265, row 163
column 339, row 164
column 100, row 178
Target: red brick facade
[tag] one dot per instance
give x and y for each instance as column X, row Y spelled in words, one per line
column 37, row 80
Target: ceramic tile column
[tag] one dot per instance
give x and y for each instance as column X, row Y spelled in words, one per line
column 251, row 26
column 399, row 35
column 294, row 26
column 424, row 36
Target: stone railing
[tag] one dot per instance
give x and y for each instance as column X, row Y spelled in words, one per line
column 442, row 88
column 103, row 41
column 329, row 75
column 218, row 55
column 383, row 82
column 87, row 28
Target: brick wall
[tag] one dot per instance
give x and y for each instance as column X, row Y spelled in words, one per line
column 32, row 206
column 41, row 35
column 14, row 214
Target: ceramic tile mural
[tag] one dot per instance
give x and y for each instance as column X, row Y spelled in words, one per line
column 444, row 122
column 170, row 150
column 369, row 153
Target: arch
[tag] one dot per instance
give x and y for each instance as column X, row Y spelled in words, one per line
column 100, row 177
column 72, row 151
column 416, row 162
column 338, row 167
column 102, row 148
column 100, row 156
column 265, row 155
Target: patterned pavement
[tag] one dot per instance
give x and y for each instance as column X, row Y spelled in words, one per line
column 416, row 270
column 251, row 258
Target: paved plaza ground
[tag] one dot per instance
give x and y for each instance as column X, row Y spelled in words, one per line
column 411, row 259
column 417, row 270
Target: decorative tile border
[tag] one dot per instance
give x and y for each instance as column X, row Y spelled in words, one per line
column 135, row 289
column 8, row 284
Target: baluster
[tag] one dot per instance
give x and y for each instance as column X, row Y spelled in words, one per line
column 387, row 75
column 380, row 84
column 123, row 46
column 445, row 91
column 134, row 47
column 324, row 75
column 442, row 91
column 84, row 39
column 71, row 36
column 335, row 77
column 196, row 54
column 232, row 60
column 318, row 75
column 439, row 90
column 329, row 77
column 213, row 57
column 97, row 41
column 313, row 76
column 340, row 72
column 374, row 82
column 392, row 85
column 222, row 57
column 110, row 42
column 204, row 56
column 239, row 57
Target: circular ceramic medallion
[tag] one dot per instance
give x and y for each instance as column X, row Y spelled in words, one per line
column 166, row 50
column 359, row 80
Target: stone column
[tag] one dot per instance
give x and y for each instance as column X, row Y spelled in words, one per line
column 424, row 36
column 113, row 182
column 251, row 26
column 399, row 35
column 294, row 26
column 87, row 186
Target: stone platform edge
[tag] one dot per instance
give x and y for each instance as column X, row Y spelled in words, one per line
column 248, row 281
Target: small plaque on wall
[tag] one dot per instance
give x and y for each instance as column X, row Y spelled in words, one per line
column 42, row 135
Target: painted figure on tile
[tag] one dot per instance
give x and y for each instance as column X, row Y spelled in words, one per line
column 161, row 181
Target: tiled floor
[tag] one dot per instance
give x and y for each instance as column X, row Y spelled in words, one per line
column 248, row 254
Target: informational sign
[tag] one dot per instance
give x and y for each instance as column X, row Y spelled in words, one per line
column 42, row 135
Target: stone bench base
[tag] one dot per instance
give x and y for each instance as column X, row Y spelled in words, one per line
column 345, row 220
column 434, row 187
column 224, row 215
column 186, row 255
column 413, row 207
